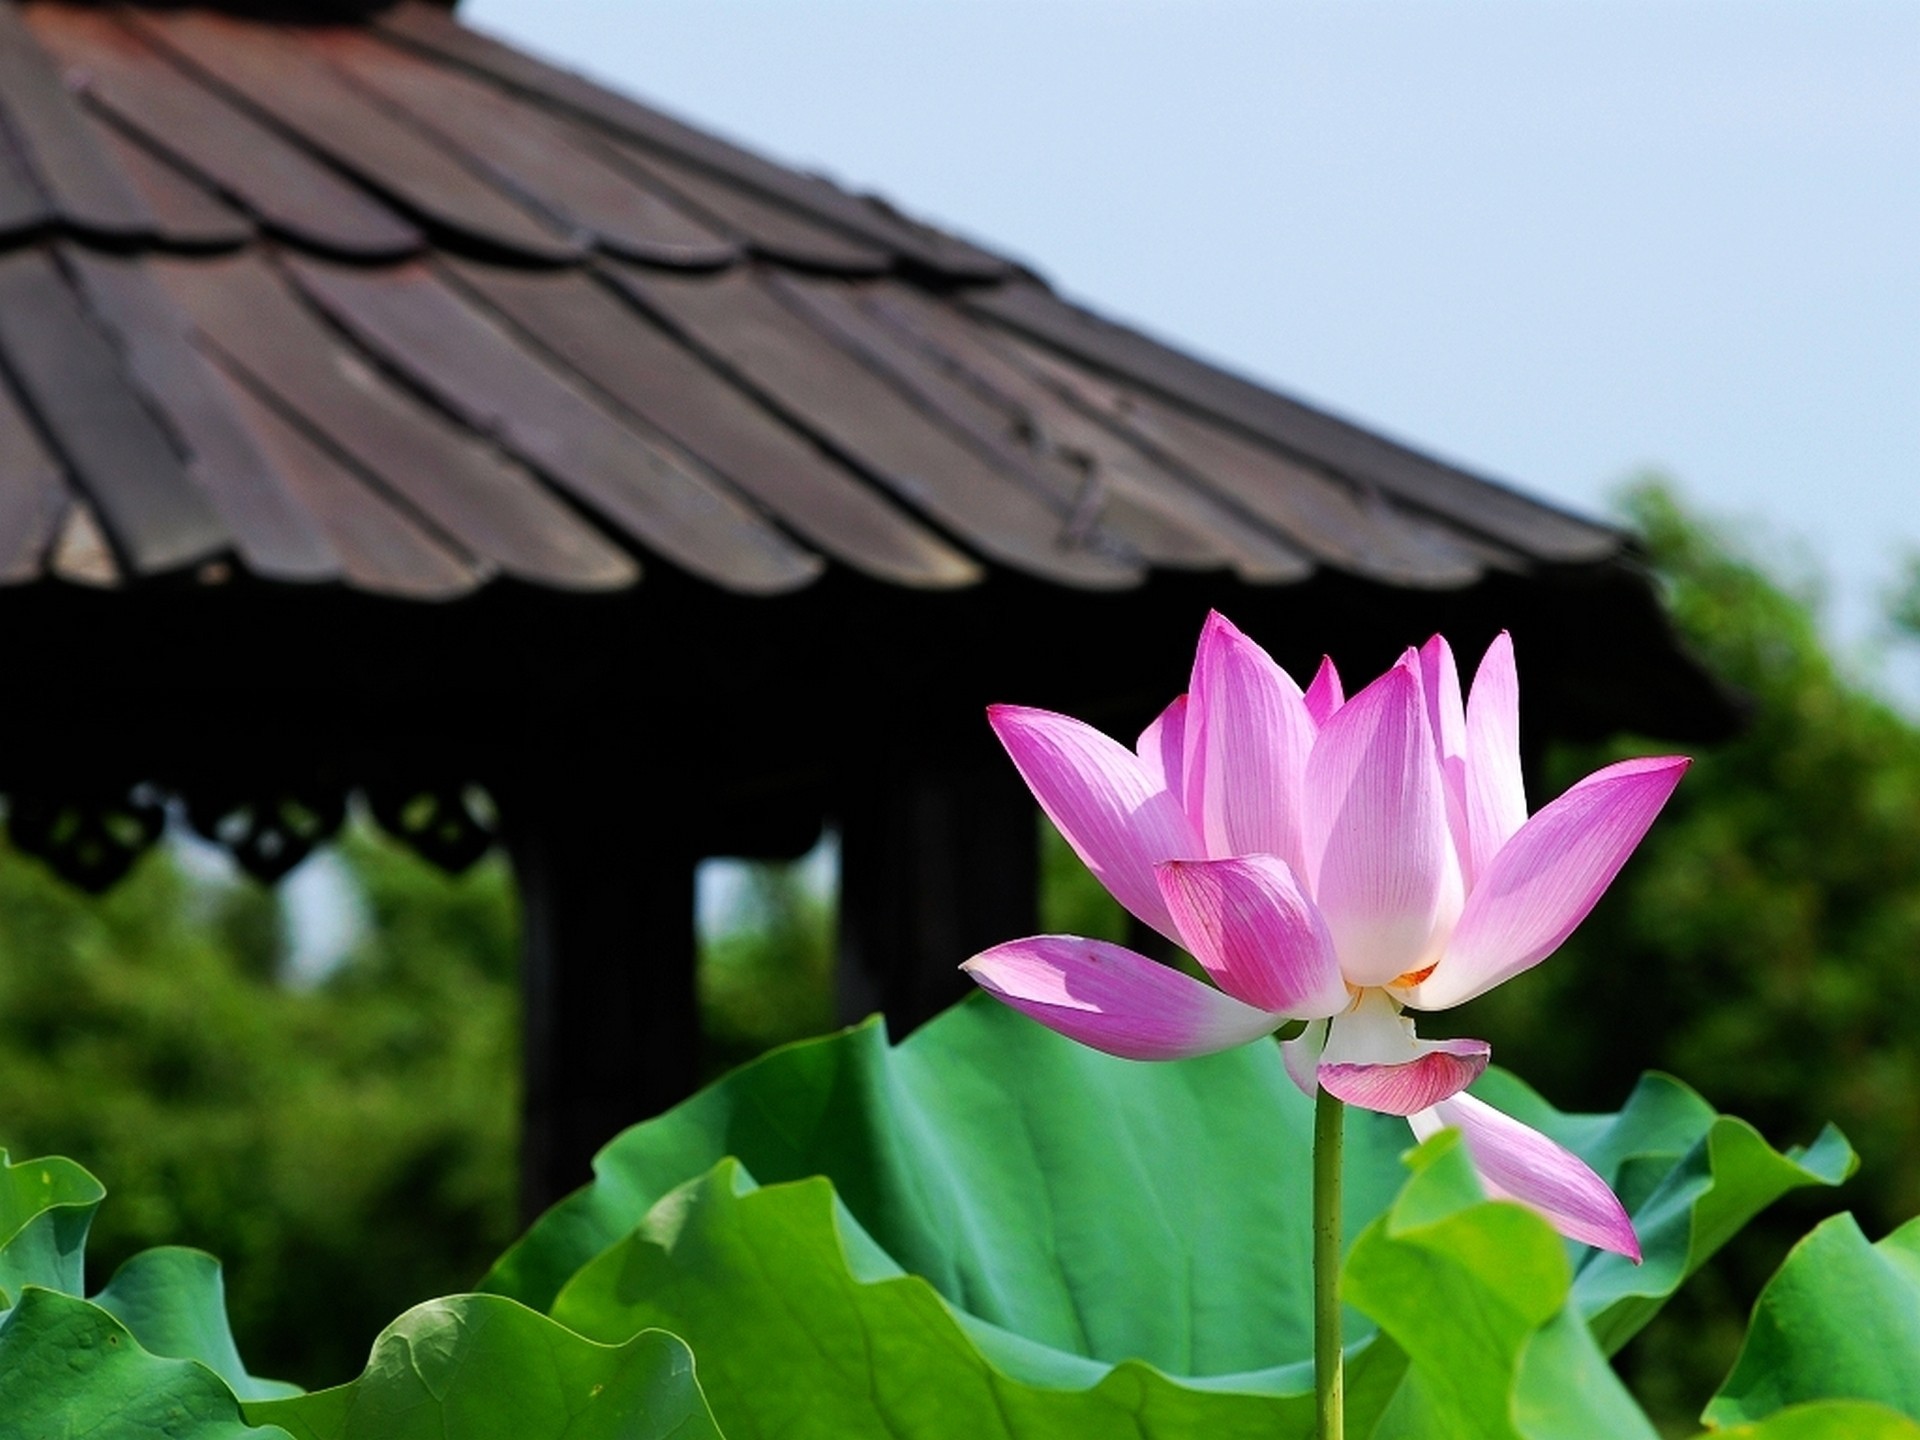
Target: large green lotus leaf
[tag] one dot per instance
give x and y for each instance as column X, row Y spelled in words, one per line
column 1840, row 1319
column 1106, row 1208
column 479, row 1367
column 1690, row 1178
column 46, row 1209
column 806, row 1329
column 174, row 1302
column 1476, row 1295
column 1828, row 1420
column 68, row 1370
column 1115, row 1210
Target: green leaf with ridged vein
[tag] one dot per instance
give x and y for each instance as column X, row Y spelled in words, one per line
column 1839, row 1319
column 807, row 1330
column 1476, row 1295
column 1104, row 1208
column 984, row 1154
column 174, row 1302
column 69, row 1369
column 479, row 1367
column 46, row 1208
column 1690, row 1178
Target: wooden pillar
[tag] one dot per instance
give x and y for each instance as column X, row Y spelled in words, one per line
column 612, row 1026
column 938, row 861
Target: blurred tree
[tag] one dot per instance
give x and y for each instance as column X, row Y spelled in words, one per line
column 346, row 1150
column 1764, row 944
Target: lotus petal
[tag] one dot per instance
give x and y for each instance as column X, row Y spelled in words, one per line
column 1324, row 695
column 1251, row 925
column 1517, row 1162
column 1440, row 687
column 1162, row 748
column 1496, row 792
column 1384, row 873
column 1546, row 878
column 1301, row 1056
column 1373, row 1059
column 1112, row 999
column 1248, row 734
column 1110, row 807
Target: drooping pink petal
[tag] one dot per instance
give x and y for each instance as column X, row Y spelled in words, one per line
column 1251, row 925
column 1440, row 687
column 1301, row 1056
column 1496, row 793
column 1374, row 1059
column 1384, row 874
column 1546, row 878
column 1248, row 734
column 1108, row 997
column 1110, row 807
column 1162, row 747
column 1517, row 1162
column 1324, row 695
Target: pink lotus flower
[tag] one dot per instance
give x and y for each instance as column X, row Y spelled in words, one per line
column 1335, row 861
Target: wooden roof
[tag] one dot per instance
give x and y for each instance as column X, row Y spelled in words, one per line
column 388, row 306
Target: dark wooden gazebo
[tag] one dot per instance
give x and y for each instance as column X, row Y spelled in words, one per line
column 384, row 410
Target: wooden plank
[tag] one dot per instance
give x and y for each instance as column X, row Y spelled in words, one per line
column 73, row 381
column 23, row 208
column 382, row 548
column 1347, row 526
column 280, row 72
column 464, row 487
column 33, row 496
column 187, row 215
column 272, row 532
column 1003, row 436
column 771, row 230
column 950, row 339
column 555, row 166
column 737, row 324
column 80, row 181
column 636, row 367
column 81, row 555
column 284, row 187
column 1484, row 506
column 431, row 28
column 639, row 482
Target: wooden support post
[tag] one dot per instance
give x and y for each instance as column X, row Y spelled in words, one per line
column 938, row 861
column 612, row 1026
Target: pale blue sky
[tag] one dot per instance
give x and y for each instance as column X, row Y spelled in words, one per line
column 1556, row 241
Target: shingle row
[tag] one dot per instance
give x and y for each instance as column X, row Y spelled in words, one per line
column 395, row 307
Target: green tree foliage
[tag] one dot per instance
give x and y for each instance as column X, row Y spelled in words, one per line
column 1765, row 941
column 358, row 1135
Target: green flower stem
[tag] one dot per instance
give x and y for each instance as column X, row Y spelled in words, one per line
column 1328, row 1388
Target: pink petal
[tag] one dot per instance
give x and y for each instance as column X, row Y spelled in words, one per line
column 1301, row 1056
column 1440, row 687
column 1248, row 734
column 1384, row 875
column 1324, row 695
column 1517, row 1162
column 1546, row 878
column 1162, row 747
column 1496, row 793
column 1373, row 1059
column 1108, row 805
column 1109, row 998
column 1256, row 932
